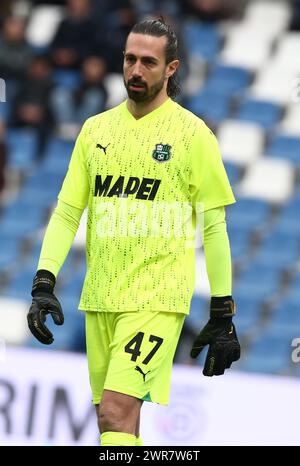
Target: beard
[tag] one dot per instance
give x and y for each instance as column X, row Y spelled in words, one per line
column 145, row 95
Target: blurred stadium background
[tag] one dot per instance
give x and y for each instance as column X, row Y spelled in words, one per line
column 61, row 62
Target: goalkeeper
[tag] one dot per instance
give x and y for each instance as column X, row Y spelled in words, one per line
column 130, row 164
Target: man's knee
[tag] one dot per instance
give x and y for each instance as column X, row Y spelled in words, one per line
column 118, row 412
column 111, row 416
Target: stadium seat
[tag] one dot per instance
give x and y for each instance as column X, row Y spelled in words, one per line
column 228, row 80
column 43, row 182
column 293, row 291
column 278, row 249
column 247, row 305
column 58, row 149
column 270, row 353
column 22, row 217
column 270, row 179
column 273, row 83
column 209, row 105
column 286, row 317
column 240, row 142
column 10, row 251
column 239, row 242
column 21, row 208
column 57, row 157
column 272, row 18
column 201, row 39
column 248, row 214
column 258, row 279
column 288, row 218
column 247, row 313
column 20, row 286
column 44, row 198
column 287, row 147
column 31, row 261
column 239, row 40
column 22, row 147
column 21, row 227
column 265, row 114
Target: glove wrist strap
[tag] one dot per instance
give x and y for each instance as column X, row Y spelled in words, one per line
column 43, row 281
column 222, row 307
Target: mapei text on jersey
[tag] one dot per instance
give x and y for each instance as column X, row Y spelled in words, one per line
column 143, row 188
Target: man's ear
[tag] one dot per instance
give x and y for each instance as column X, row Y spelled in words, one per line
column 172, row 68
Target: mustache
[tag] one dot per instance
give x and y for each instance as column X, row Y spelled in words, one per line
column 136, row 82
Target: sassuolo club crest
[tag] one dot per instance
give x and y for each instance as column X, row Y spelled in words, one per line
column 162, row 152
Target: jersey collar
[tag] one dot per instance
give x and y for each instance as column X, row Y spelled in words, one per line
column 156, row 112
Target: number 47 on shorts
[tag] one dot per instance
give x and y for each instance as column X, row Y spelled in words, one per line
column 134, row 345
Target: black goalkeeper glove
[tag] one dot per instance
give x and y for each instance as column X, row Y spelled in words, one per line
column 44, row 302
column 219, row 333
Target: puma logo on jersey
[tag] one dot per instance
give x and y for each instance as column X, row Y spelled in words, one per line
column 145, row 188
column 98, row 146
column 137, row 368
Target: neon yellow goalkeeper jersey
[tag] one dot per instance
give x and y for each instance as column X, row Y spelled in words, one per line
column 144, row 182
